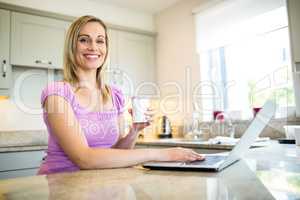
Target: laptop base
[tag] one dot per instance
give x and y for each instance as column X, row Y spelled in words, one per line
column 181, row 169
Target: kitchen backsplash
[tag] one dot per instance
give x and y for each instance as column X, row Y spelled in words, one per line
column 12, row 118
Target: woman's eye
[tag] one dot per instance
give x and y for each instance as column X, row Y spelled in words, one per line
column 100, row 42
column 83, row 40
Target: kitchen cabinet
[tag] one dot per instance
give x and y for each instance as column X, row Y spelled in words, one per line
column 5, row 71
column 37, row 41
column 17, row 164
column 293, row 7
column 131, row 62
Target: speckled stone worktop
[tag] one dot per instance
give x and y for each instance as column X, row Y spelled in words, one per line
column 266, row 173
column 189, row 143
column 23, row 138
column 13, row 141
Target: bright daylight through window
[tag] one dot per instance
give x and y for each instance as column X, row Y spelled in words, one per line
column 245, row 63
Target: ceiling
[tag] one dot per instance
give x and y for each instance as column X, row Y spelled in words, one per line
column 149, row 6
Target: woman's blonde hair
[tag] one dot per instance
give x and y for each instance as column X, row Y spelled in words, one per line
column 70, row 64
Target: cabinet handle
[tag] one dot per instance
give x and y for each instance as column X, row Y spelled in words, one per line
column 4, row 68
column 43, row 62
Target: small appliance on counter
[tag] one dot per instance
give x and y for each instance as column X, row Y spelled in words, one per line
column 164, row 127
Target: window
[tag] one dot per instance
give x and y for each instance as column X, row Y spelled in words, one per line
column 246, row 63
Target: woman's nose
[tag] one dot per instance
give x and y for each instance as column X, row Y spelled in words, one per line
column 92, row 46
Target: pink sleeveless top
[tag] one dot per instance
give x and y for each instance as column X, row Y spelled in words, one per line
column 100, row 128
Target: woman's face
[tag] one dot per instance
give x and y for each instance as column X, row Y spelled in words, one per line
column 91, row 46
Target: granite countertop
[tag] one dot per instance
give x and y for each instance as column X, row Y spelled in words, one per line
column 29, row 140
column 190, row 143
column 182, row 143
column 13, row 141
column 23, row 148
column 266, row 173
column 23, row 138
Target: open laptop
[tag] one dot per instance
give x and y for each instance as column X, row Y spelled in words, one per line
column 215, row 162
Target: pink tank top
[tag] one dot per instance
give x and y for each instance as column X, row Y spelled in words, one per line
column 100, row 128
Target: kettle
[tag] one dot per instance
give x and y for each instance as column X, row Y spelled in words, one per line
column 164, row 127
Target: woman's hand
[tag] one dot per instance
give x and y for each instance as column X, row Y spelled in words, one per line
column 179, row 154
column 138, row 126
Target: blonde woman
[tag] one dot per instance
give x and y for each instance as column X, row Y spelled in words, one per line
column 84, row 116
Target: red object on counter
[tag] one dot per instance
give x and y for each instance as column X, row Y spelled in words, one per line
column 256, row 110
column 218, row 114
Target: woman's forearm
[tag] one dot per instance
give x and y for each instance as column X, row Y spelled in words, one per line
column 128, row 141
column 99, row 158
column 113, row 158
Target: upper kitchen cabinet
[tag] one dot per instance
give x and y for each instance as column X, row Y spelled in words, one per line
column 132, row 62
column 5, row 70
column 37, row 41
column 294, row 26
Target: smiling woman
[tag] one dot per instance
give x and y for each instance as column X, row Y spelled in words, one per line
column 86, row 47
column 84, row 116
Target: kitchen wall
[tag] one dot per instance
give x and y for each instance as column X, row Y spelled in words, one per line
column 110, row 14
column 177, row 61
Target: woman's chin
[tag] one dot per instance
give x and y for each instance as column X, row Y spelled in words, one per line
column 92, row 66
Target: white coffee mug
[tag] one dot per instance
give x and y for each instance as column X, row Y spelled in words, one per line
column 139, row 107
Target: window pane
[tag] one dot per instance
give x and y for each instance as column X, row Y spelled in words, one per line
column 261, row 69
column 255, row 70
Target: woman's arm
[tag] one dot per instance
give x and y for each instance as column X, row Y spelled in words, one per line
column 68, row 132
column 129, row 140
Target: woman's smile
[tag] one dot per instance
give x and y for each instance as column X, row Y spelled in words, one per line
column 91, row 56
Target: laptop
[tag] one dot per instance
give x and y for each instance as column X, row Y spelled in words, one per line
column 217, row 162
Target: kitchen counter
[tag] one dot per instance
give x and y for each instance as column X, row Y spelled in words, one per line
column 22, row 148
column 266, row 173
column 190, row 143
column 15, row 141
column 23, row 138
column 19, row 141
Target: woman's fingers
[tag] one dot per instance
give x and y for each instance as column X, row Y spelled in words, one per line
column 183, row 154
column 192, row 155
column 199, row 156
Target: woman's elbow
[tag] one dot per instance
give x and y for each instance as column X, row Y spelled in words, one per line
column 83, row 165
column 84, row 161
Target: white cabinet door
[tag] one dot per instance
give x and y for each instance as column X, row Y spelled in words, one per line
column 5, row 68
column 110, row 65
column 112, row 55
column 20, row 160
column 18, row 173
column 136, row 59
column 18, row 164
column 132, row 58
column 294, row 26
column 37, row 41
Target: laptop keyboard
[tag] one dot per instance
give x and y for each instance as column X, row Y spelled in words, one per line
column 209, row 160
